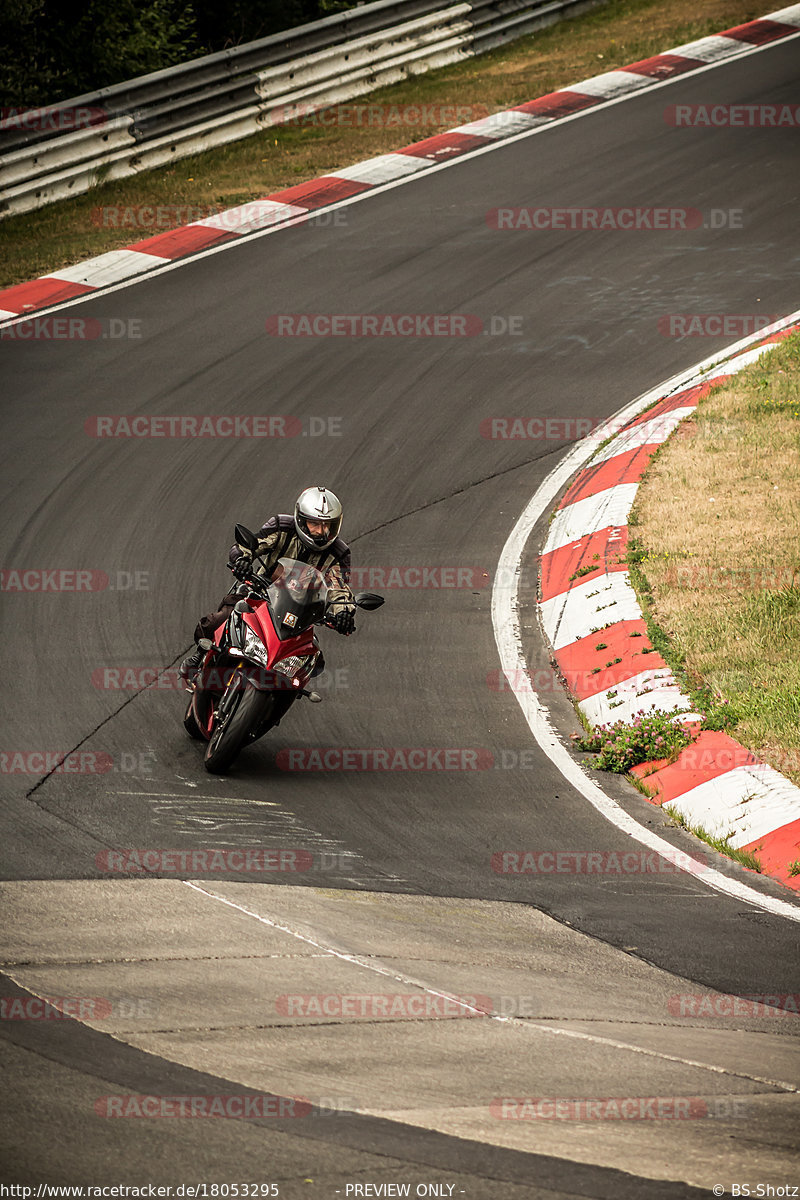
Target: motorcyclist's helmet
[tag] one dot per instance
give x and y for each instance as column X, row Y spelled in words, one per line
column 318, row 504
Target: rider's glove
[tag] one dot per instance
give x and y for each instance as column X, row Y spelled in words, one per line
column 343, row 622
column 242, row 566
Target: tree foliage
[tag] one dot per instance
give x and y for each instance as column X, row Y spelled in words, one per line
column 60, row 49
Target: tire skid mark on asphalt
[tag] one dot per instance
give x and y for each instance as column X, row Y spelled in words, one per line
column 180, row 811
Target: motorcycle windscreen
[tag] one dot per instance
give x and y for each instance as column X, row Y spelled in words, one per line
column 298, row 595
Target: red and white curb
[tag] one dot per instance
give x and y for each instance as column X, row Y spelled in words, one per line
column 296, row 203
column 595, row 626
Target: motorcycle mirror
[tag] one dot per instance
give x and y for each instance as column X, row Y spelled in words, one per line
column 368, row 600
column 206, row 644
column 245, row 537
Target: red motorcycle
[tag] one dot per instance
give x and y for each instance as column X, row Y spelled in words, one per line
column 262, row 658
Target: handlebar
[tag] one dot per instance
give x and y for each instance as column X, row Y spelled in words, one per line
column 245, row 574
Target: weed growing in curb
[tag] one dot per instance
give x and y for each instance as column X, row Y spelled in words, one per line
column 746, row 858
column 622, row 745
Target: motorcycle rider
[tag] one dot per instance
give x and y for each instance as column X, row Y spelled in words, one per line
column 311, row 535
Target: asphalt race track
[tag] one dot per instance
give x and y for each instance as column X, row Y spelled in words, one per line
column 202, row 987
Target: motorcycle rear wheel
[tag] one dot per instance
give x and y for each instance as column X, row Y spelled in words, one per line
column 246, row 710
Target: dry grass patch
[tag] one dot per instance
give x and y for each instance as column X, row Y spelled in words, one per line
column 619, row 32
column 717, row 532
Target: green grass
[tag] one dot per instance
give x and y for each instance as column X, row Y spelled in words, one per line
column 619, row 32
column 721, row 844
column 715, row 560
column 715, row 709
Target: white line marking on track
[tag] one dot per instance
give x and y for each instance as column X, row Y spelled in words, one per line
column 506, row 621
column 370, row 964
column 745, row 51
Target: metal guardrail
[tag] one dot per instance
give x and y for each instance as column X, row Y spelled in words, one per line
column 169, row 114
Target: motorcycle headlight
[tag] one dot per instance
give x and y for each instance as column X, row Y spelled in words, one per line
column 255, row 649
column 292, row 665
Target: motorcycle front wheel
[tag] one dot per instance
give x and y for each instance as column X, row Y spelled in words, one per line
column 243, row 714
column 190, row 723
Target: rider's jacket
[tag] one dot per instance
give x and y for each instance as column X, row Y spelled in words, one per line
column 278, row 538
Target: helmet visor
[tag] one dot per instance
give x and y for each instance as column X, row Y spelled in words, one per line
column 318, row 531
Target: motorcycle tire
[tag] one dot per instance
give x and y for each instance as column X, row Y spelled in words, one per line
column 246, row 710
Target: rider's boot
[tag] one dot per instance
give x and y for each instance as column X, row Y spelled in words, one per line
column 191, row 665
